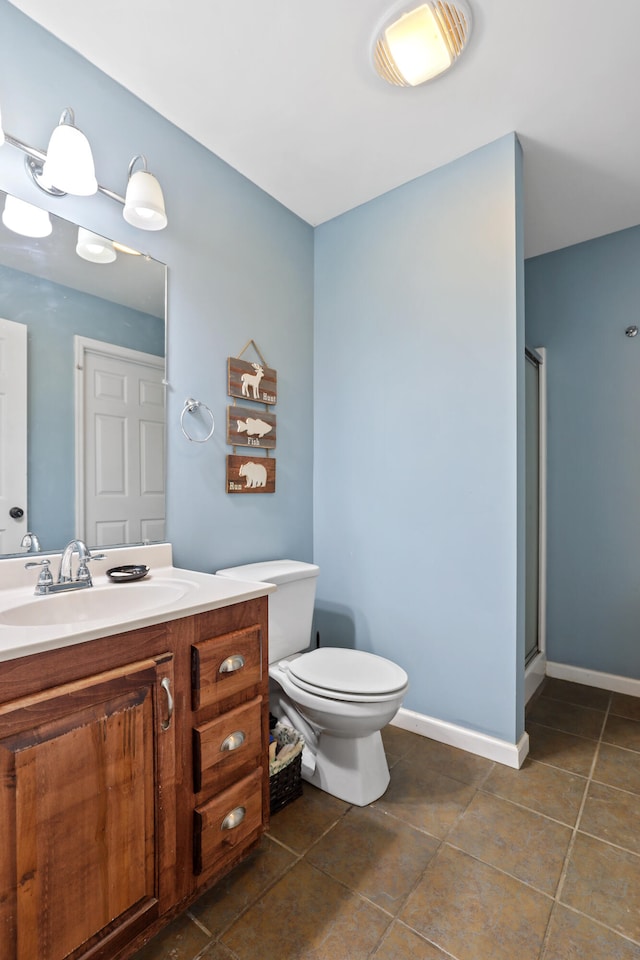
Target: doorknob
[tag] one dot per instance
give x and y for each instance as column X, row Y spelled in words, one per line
column 16, row 513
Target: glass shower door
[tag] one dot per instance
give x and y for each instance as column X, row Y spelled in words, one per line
column 532, row 505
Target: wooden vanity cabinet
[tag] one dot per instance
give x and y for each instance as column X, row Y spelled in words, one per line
column 120, row 801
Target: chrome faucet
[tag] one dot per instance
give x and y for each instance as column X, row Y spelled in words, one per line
column 31, row 543
column 83, row 577
column 66, row 581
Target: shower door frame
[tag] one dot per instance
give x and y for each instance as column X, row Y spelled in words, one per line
column 535, row 670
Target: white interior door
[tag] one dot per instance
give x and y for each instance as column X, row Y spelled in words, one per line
column 120, row 442
column 13, row 434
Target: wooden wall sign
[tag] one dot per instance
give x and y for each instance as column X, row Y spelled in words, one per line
column 252, row 381
column 248, row 427
column 248, row 475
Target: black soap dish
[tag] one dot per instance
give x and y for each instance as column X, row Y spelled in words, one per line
column 128, row 572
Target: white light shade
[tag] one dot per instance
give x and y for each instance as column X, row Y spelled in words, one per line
column 1, row 130
column 417, row 46
column 144, row 202
column 69, row 165
column 422, row 43
column 24, row 218
column 94, row 248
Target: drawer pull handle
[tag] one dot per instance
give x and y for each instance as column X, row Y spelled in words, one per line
column 233, row 819
column 233, row 741
column 231, row 664
column 166, row 686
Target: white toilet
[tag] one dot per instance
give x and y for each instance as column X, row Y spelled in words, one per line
column 339, row 699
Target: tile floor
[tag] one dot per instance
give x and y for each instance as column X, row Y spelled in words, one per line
column 461, row 859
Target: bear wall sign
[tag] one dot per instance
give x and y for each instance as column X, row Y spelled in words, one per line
column 251, row 474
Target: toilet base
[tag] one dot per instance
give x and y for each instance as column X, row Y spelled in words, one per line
column 352, row 769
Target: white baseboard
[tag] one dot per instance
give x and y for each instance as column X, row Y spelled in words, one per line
column 510, row 754
column 593, row 678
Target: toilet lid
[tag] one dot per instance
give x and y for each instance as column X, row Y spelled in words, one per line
column 347, row 672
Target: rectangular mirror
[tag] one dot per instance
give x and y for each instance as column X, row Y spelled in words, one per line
column 82, row 372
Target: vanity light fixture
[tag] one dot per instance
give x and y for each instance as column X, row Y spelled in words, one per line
column 68, row 167
column 417, row 43
column 93, row 247
column 144, row 202
column 25, row 219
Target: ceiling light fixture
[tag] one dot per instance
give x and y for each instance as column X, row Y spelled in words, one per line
column 417, row 43
column 68, row 167
column 93, row 247
column 23, row 218
column 144, row 203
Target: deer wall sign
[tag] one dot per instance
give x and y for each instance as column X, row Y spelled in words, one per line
column 252, row 381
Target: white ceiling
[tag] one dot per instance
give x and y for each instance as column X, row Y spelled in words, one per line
column 284, row 92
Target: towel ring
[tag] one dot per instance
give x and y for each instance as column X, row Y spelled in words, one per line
column 191, row 405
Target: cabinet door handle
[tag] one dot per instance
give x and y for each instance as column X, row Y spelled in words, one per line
column 233, row 741
column 233, row 819
column 232, row 663
column 166, row 686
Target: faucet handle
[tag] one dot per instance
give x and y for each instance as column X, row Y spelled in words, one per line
column 83, row 570
column 45, row 580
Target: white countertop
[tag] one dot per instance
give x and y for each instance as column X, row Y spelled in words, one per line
column 31, row 624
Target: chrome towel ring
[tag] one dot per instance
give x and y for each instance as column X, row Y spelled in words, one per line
column 190, row 406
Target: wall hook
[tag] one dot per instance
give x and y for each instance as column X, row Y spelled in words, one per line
column 631, row 331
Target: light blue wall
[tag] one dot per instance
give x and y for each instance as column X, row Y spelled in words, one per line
column 579, row 302
column 51, row 383
column 240, row 267
column 418, row 363
column 418, row 504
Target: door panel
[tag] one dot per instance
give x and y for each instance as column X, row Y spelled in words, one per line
column 13, row 433
column 121, row 446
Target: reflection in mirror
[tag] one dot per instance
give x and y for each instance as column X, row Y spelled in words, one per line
column 82, row 367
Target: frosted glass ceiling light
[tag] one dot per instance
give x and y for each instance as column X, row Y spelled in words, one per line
column 24, row 218
column 144, row 203
column 421, row 42
column 94, row 248
column 69, row 165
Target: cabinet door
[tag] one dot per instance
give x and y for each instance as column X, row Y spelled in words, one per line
column 87, row 773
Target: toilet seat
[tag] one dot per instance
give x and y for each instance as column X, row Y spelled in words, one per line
column 349, row 675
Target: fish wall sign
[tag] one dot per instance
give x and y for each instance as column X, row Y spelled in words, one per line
column 246, row 475
column 252, row 381
column 249, row 427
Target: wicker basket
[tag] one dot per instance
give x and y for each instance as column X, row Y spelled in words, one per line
column 285, row 778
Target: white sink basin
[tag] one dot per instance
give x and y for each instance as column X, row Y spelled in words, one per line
column 112, row 602
column 31, row 624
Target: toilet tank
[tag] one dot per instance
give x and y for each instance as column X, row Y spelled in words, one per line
column 290, row 607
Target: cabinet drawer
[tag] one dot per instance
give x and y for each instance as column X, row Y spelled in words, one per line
column 226, row 822
column 227, row 747
column 225, row 665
